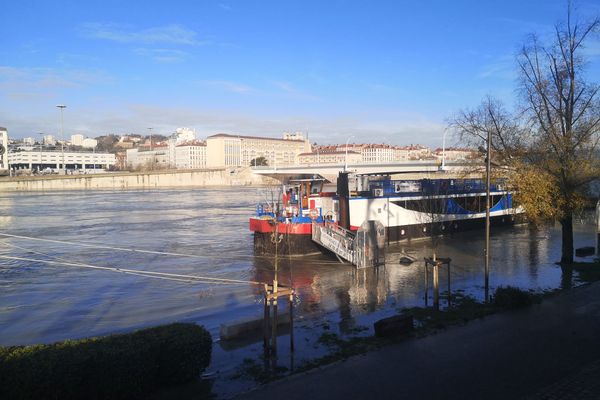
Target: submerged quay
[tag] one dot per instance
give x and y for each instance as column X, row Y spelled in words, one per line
column 549, row 351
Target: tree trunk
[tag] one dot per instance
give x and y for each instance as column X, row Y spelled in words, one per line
column 567, row 239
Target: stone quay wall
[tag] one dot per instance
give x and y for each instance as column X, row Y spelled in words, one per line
column 138, row 180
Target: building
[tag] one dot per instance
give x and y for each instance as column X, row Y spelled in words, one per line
column 190, row 155
column 29, row 141
column 143, row 157
column 89, row 143
column 49, row 140
column 3, row 150
column 455, row 154
column 225, row 150
column 37, row 160
column 329, row 157
column 378, row 154
column 77, row 139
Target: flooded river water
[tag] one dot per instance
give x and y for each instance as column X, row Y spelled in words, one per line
column 41, row 303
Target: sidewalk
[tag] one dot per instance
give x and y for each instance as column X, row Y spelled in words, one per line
column 551, row 351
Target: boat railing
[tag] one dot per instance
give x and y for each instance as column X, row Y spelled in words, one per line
column 335, row 238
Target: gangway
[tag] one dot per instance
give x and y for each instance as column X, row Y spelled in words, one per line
column 365, row 248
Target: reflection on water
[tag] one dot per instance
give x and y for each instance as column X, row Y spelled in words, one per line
column 45, row 303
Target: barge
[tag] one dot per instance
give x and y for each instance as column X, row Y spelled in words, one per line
column 408, row 209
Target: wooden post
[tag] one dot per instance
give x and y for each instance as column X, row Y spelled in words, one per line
column 266, row 323
column 449, row 292
column 426, row 284
column 274, row 328
column 436, row 286
column 292, row 322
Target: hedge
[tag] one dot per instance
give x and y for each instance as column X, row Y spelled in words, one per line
column 116, row 367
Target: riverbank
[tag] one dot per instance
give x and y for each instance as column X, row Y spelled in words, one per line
column 532, row 353
column 138, row 180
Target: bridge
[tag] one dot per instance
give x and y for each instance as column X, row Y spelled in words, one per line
column 412, row 169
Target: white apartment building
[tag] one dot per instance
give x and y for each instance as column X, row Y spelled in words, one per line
column 329, row 157
column 56, row 159
column 3, row 150
column 49, row 140
column 89, row 143
column 455, row 154
column 378, row 154
column 77, row 139
column 156, row 158
column 190, row 155
column 224, row 150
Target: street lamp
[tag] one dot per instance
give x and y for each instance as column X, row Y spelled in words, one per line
column 346, row 158
column 444, row 150
column 488, row 168
column 41, row 144
column 62, row 139
column 150, row 129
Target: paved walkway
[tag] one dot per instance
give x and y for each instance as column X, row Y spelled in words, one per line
column 551, row 351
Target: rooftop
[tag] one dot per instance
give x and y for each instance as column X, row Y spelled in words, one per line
column 253, row 137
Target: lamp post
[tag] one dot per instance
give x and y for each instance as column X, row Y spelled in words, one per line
column 346, row 157
column 488, row 167
column 150, row 129
column 444, row 150
column 62, row 141
column 41, row 144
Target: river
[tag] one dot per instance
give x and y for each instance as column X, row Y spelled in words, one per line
column 42, row 303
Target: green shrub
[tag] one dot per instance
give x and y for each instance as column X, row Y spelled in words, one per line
column 511, row 298
column 117, row 366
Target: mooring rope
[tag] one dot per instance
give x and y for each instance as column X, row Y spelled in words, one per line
column 195, row 278
column 98, row 246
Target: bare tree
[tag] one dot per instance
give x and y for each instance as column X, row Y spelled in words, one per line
column 551, row 148
column 509, row 140
column 563, row 111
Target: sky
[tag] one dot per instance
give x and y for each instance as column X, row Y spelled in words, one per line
column 358, row 71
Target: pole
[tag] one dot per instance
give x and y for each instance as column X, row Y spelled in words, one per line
column 41, row 144
column 150, row 129
column 487, row 216
column 436, row 286
column 444, row 150
column 62, row 139
column 449, row 291
column 346, row 157
column 291, row 322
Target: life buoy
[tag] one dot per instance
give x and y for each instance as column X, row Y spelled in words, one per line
column 313, row 213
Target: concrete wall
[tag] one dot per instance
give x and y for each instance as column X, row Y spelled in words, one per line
column 146, row 180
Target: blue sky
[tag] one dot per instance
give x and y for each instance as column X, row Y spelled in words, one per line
column 385, row 71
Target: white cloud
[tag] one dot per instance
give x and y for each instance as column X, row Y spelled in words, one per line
column 228, row 86
column 162, row 55
column 27, row 79
column 173, row 34
column 502, row 67
column 288, row 90
column 366, row 127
